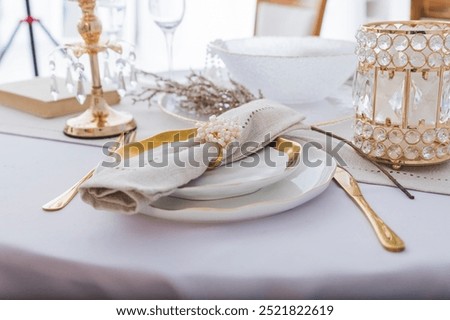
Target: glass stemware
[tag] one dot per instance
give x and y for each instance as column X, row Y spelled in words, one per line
column 167, row 14
column 112, row 14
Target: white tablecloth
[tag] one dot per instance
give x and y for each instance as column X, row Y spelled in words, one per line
column 322, row 249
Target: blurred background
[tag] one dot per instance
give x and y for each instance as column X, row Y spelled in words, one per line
column 204, row 21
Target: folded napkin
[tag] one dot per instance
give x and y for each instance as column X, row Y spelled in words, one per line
column 132, row 188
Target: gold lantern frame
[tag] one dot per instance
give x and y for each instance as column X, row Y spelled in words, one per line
column 387, row 48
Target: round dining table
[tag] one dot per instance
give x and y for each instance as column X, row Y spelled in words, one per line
column 323, row 249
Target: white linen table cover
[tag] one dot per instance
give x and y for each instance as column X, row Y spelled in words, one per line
column 322, row 249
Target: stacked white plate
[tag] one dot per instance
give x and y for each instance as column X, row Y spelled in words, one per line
column 258, row 186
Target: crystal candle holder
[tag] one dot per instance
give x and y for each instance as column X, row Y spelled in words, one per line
column 401, row 92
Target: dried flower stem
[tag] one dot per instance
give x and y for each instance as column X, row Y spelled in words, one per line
column 359, row 152
column 198, row 93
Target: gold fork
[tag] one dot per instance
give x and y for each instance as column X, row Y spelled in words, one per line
column 63, row 199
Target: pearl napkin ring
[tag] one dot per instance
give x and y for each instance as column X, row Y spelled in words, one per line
column 219, row 131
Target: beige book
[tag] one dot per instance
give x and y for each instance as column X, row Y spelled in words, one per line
column 33, row 96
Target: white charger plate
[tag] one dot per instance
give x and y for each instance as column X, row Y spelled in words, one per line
column 306, row 184
column 240, row 178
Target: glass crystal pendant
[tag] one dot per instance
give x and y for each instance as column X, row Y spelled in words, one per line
column 444, row 114
column 396, row 101
column 359, row 128
column 384, row 42
column 384, row 59
column 54, row 90
column 400, row 59
column 447, row 42
column 411, row 153
column 415, row 95
column 370, row 56
column 366, row 147
column 379, row 134
column 395, row 152
column 360, row 37
column 107, row 73
column 447, row 60
column 441, row 151
column 361, row 53
column 412, row 137
column 367, row 131
column 133, row 73
column 435, row 60
column 107, row 76
column 429, row 136
column 380, row 150
column 443, row 135
column 121, row 86
column 357, row 141
column 364, row 104
column 400, row 43
column 436, row 43
column 371, row 40
column 395, row 136
column 428, row 153
column 81, row 92
column 52, row 65
column 356, row 89
column 69, row 79
column 418, row 42
column 417, row 59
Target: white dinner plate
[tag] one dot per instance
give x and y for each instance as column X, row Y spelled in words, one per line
column 312, row 178
column 252, row 173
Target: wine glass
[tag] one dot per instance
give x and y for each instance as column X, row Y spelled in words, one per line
column 167, row 14
column 112, row 15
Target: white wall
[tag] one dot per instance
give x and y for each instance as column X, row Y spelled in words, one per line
column 343, row 17
column 205, row 20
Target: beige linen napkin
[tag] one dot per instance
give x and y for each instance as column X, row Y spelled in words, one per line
column 130, row 189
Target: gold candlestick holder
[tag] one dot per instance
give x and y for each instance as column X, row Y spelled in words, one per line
column 99, row 120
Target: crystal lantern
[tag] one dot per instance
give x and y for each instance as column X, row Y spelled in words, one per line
column 401, row 92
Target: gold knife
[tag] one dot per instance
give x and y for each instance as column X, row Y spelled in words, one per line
column 386, row 236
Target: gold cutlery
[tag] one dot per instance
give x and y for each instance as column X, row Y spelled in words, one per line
column 63, row 199
column 389, row 240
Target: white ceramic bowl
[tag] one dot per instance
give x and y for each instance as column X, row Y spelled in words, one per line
column 291, row 70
